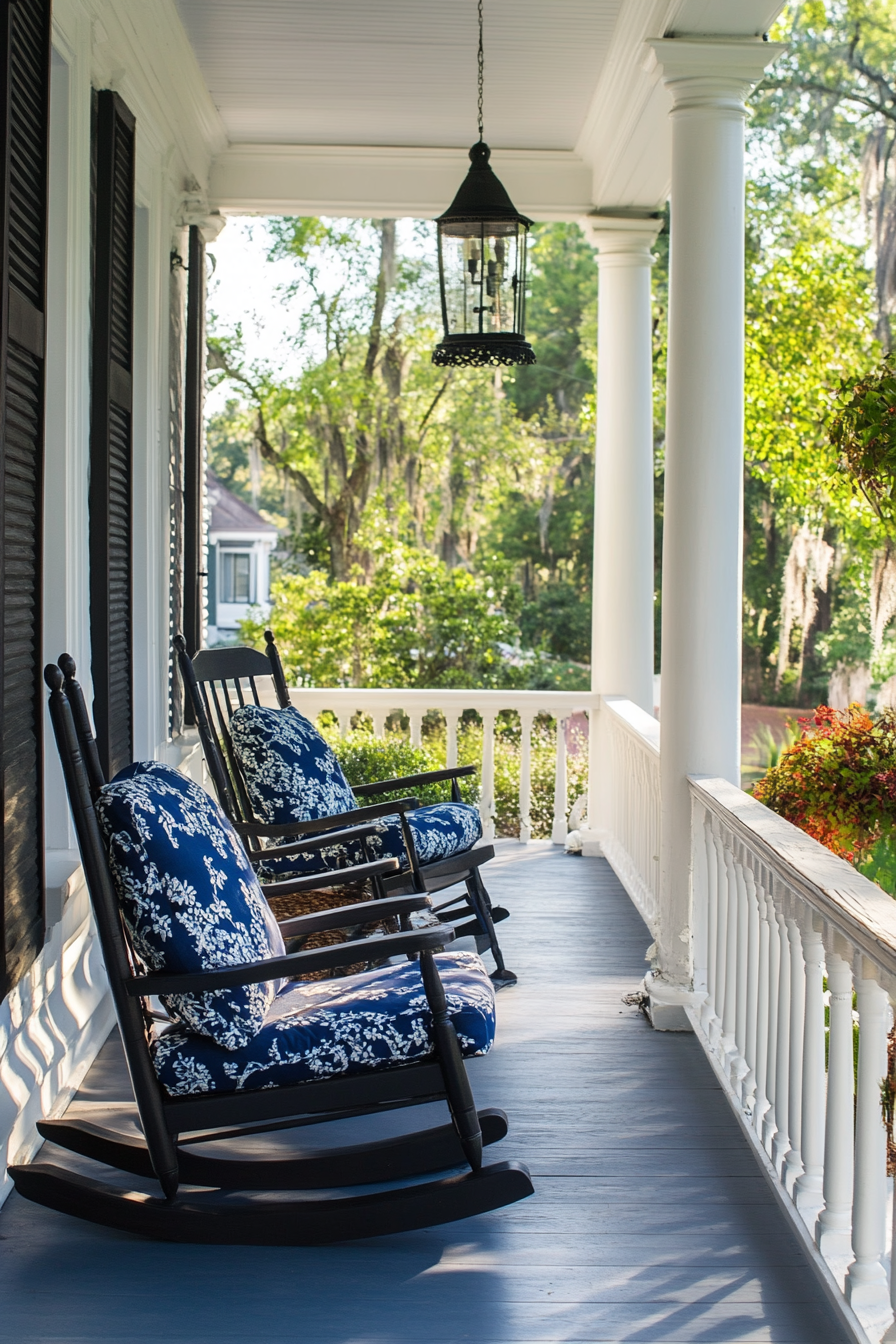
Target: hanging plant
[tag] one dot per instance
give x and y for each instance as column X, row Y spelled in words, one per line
column 863, row 431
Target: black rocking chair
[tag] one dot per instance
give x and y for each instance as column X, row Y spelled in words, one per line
column 241, row 1199
column 218, row 682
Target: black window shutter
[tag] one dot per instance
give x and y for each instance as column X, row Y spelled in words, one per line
column 24, row 112
column 111, row 453
column 194, row 385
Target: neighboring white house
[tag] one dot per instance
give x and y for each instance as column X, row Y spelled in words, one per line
column 239, row 561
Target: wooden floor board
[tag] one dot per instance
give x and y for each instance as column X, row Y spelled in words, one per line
column 651, row 1223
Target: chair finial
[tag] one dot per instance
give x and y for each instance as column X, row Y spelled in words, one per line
column 268, row 636
column 67, row 663
column 53, row 677
column 180, row 643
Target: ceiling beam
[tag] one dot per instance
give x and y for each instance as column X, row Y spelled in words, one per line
column 375, row 182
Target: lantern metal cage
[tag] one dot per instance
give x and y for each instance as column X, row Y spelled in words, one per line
column 482, row 273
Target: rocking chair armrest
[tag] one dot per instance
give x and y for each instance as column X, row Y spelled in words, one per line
column 430, row 939
column 413, row 781
column 344, row 916
column 332, row 877
column 256, row 830
column 313, row 842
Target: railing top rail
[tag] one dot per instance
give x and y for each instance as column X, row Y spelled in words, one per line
column 635, row 720
column 553, row 702
column 854, row 906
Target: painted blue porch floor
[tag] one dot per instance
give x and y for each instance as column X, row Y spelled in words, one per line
column 651, row 1222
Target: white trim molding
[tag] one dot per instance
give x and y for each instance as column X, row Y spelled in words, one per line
column 358, row 180
column 51, row 1027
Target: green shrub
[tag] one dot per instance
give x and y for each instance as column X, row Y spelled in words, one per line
column 367, row 760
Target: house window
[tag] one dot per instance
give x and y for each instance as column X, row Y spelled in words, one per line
column 236, row 577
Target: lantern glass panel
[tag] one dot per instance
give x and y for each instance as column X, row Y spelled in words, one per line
column 483, row 276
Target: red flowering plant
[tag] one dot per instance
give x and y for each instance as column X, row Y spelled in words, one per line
column 838, row 783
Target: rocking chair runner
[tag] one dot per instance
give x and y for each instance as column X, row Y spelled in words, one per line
column 214, row 681
column 217, row 1100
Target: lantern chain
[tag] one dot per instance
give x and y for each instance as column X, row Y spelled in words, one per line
column 481, row 62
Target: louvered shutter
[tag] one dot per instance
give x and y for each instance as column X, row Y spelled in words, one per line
column 194, row 384
column 111, row 454
column 24, row 110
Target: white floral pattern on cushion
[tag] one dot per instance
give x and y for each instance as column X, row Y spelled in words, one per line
column 327, row 1028
column 291, row 773
column 188, row 895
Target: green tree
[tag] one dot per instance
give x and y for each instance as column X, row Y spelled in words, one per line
column 414, row 623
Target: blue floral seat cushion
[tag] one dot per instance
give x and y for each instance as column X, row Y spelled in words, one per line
column 439, row 831
column 291, row 773
column 329, row 1028
column 188, row 895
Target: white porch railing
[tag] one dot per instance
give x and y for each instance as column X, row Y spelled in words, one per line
column 379, row 704
column 777, row 917
column 631, row 840
column 794, row 961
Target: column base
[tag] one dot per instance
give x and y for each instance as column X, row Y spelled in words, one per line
column 792, row 1171
column 667, row 1004
column 867, row 1291
column 808, row 1193
column 833, row 1235
column 592, row 842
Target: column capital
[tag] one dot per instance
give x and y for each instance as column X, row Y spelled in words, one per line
column 711, row 72
column 622, row 236
column 194, row 209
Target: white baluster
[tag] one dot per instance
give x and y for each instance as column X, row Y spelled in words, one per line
column 558, row 830
column 451, row 722
column 721, row 939
column 487, row 800
column 526, row 721
column 379, row 721
column 760, row 1102
column 728, row 1044
column 808, row 1190
column 708, row 1009
column 770, row 1119
column 739, row 1067
column 345, row 721
column 416, row 723
column 748, row 1086
column 781, row 1144
column 793, row 1164
column 832, row 1231
column 700, row 898
column 866, row 1278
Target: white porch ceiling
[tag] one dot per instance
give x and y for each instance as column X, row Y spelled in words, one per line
column 400, row 72
column 368, row 106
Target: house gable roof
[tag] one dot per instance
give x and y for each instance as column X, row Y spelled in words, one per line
column 230, row 515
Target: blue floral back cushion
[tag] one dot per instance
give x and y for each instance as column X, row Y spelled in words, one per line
column 375, row 1020
column 188, row 895
column 290, row 772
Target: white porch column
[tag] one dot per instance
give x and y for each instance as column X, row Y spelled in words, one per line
column 701, row 653
column 622, row 590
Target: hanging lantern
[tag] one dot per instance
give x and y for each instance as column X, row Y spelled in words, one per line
column 482, row 267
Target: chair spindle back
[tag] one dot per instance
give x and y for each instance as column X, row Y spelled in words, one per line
column 218, row 682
